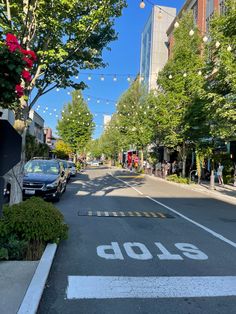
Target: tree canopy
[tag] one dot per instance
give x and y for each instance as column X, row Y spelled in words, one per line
column 76, row 125
column 67, row 36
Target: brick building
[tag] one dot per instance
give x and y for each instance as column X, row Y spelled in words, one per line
column 203, row 11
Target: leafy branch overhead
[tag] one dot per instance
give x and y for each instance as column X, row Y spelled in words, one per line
column 67, row 35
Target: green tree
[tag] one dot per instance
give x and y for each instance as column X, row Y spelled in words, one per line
column 67, row 35
column 62, row 149
column 181, row 82
column 220, row 57
column 33, row 148
column 76, row 125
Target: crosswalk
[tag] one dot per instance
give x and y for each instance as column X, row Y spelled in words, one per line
column 143, row 214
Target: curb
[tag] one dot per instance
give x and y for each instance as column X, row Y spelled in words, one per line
column 34, row 292
column 216, row 195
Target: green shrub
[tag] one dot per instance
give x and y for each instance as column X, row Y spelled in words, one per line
column 3, row 254
column 14, row 248
column 175, row 178
column 34, row 222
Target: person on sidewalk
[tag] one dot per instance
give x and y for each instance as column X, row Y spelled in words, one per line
column 220, row 173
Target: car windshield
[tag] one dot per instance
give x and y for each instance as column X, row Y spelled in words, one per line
column 41, row 166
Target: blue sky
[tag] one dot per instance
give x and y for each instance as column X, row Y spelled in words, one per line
column 123, row 59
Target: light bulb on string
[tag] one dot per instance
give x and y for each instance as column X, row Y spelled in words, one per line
column 176, row 25
column 89, row 77
column 185, row 74
column 98, row 101
column 142, row 4
column 44, row 111
column 128, row 78
column 217, row 44
column 205, row 39
column 102, row 78
column 229, row 48
column 77, row 77
column 54, row 109
column 57, row 89
column 89, row 98
column 170, row 76
column 107, row 102
column 56, row 115
column 50, row 114
column 191, row 33
column 114, row 78
column 71, row 112
column 68, row 93
column 199, row 72
column 79, row 96
column 46, row 108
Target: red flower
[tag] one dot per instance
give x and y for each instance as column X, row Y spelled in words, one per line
column 26, row 75
column 19, row 90
column 12, row 42
column 29, row 62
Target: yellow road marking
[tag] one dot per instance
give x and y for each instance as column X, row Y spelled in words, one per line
column 146, row 214
column 153, row 214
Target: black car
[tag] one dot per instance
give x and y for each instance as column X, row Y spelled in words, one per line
column 45, row 178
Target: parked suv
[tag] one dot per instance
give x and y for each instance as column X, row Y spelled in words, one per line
column 44, row 178
column 67, row 169
column 72, row 168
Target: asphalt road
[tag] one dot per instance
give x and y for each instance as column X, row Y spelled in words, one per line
column 140, row 245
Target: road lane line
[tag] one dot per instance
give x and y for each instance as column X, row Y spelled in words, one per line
column 106, row 214
column 114, row 214
column 126, row 183
column 138, row 214
column 98, row 213
column 111, row 287
column 212, row 232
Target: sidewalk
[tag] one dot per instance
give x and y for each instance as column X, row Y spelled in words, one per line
column 22, row 283
column 226, row 192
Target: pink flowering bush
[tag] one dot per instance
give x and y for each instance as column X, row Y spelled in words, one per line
column 15, row 65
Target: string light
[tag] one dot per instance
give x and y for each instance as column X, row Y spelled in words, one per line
column 170, row 76
column 229, row 48
column 199, row 72
column 185, row 74
column 205, row 39
column 102, row 77
column 58, row 89
column 89, row 77
column 142, row 5
column 128, row 78
column 68, row 93
column 191, row 33
column 114, row 78
column 176, row 25
column 217, row 44
column 159, row 16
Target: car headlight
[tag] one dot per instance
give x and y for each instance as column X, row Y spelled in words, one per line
column 52, row 185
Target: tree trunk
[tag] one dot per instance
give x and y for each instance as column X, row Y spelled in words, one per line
column 184, row 160
column 141, row 158
column 17, row 174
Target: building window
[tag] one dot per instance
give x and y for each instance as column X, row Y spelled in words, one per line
column 195, row 12
column 222, row 7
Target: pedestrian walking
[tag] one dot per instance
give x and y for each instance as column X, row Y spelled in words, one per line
column 220, row 173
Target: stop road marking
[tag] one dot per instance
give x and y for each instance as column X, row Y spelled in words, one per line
column 139, row 251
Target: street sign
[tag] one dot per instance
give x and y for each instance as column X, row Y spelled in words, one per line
column 10, row 147
column 10, row 152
